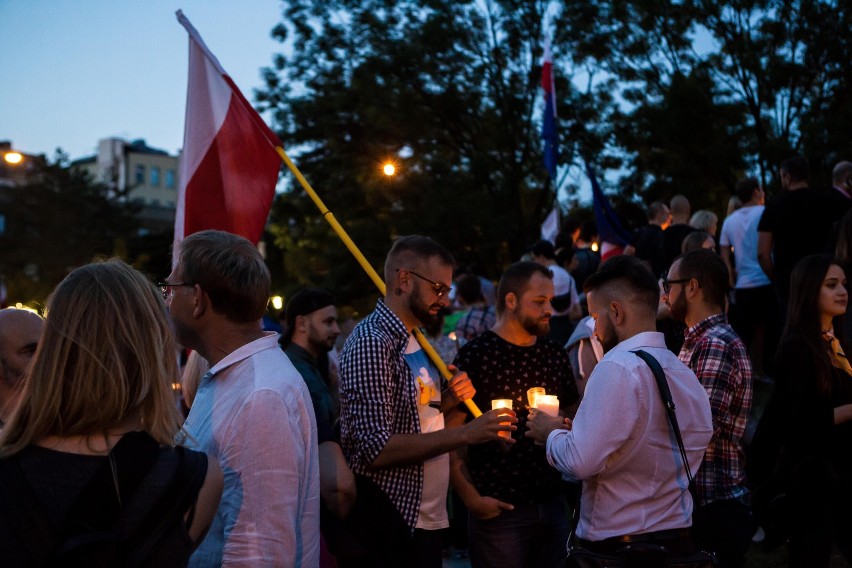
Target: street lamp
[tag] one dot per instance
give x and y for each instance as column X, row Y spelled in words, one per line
column 389, row 169
column 13, row 158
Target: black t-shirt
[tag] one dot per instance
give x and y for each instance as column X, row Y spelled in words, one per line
column 801, row 222
column 648, row 242
column 499, row 369
column 673, row 241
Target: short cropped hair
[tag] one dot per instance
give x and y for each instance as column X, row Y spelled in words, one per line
column 656, row 209
column 745, row 188
column 230, row 270
column 796, row 167
column 544, row 248
column 415, row 248
column 631, row 273
column 703, row 220
column 694, row 241
column 709, row 270
column 516, row 279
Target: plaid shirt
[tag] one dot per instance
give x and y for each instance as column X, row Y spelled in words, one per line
column 719, row 359
column 475, row 322
column 378, row 398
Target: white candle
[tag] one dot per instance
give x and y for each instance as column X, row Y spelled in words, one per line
column 548, row 403
column 503, row 403
column 533, row 394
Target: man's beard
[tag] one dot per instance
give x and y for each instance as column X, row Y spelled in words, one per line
column 420, row 308
column 609, row 339
column 678, row 308
column 537, row 326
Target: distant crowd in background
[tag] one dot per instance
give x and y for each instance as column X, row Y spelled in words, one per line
column 687, row 393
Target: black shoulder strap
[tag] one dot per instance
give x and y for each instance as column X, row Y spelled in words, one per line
column 668, row 403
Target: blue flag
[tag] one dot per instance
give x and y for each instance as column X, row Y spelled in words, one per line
column 609, row 227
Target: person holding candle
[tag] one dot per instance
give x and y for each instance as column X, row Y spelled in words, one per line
column 393, row 402
column 620, row 443
column 514, row 498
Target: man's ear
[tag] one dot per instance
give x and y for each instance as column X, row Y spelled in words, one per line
column 511, row 301
column 616, row 311
column 301, row 323
column 201, row 302
column 692, row 289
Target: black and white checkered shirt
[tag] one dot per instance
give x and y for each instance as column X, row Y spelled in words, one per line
column 378, row 398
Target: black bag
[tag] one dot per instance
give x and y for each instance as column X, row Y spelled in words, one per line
column 644, row 555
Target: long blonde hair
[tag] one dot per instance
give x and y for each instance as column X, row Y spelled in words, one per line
column 106, row 353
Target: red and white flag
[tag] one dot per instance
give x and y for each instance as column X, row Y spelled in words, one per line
column 229, row 165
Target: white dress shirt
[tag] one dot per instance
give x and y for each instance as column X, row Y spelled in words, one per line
column 622, row 448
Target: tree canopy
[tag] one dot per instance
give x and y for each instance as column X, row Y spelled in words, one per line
column 668, row 96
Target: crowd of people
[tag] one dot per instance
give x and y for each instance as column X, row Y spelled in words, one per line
column 545, row 414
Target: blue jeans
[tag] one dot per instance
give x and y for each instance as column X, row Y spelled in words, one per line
column 530, row 535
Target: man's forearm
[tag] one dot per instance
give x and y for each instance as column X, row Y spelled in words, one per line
column 407, row 449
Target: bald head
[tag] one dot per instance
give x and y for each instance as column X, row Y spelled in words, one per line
column 842, row 174
column 680, row 209
column 20, row 331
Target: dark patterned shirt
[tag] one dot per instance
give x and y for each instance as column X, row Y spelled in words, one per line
column 499, row 369
column 378, row 398
column 719, row 359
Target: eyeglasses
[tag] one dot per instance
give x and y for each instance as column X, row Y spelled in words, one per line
column 667, row 284
column 166, row 288
column 440, row 289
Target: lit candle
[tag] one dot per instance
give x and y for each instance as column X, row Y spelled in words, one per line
column 533, row 394
column 548, row 403
column 503, row 403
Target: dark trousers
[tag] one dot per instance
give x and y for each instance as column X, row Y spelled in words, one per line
column 726, row 528
column 755, row 308
column 426, row 548
column 528, row 535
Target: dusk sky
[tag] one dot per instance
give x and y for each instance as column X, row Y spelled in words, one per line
column 73, row 72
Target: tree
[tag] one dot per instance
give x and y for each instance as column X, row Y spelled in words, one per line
column 58, row 220
column 448, row 90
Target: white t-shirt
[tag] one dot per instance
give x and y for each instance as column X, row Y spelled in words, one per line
column 740, row 232
column 436, row 471
column 563, row 283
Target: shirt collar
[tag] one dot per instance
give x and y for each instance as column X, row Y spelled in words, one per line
column 268, row 341
column 392, row 322
column 698, row 329
column 644, row 339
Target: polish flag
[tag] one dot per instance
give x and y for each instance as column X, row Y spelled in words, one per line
column 229, row 165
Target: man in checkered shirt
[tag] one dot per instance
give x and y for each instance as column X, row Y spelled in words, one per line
column 392, row 412
column 696, row 287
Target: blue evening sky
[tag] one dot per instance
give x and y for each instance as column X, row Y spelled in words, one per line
column 75, row 71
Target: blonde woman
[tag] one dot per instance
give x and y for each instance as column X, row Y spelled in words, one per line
column 89, row 474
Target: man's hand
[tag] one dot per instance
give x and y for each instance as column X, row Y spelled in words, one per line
column 488, row 507
column 487, row 427
column 460, row 385
column 541, row 424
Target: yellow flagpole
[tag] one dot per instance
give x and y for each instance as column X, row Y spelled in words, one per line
column 374, row 276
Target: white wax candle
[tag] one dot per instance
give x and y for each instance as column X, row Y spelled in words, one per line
column 548, row 403
column 503, row 403
column 533, row 394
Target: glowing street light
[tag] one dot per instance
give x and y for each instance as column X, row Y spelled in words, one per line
column 277, row 302
column 13, row 157
column 389, row 169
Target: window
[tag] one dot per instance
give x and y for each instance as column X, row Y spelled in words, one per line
column 170, row 179
column 140, row 174
column 155, row 176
